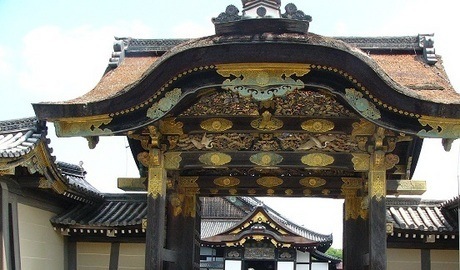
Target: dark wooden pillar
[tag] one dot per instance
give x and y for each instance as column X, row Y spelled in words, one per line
column 426, row 259
column 183, row 234
column 5, row 237
column 355, row 225
column 156, row 207
column 377, row 211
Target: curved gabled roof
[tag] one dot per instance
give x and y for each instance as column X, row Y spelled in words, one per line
column 268, row 223
column 19, row 137
column 399, row 82
column 23, row 143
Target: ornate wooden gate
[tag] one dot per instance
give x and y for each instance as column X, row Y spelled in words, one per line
column 261, row 108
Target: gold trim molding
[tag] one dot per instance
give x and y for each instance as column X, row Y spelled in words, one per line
column 266, row 159
column 227, row 181
column 269, row 181
column 360, row 161
column 262, row 81
column 312, row 182
column 440, row 127
column 172, row 160
column 267, row 122
column 82, row 126
column 318, row 125
column 215, row 159
column 216, row 124
column 317, row 160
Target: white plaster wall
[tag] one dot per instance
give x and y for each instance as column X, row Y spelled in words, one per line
column 40, row 246
column 407, row 259
column 93, row 256
column 232, row 265
column 285, row 266
column 444, row 260
column 132, row 256
column 319, row 266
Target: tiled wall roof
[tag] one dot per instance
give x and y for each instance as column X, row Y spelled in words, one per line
column 411, row 214
column 19, row 137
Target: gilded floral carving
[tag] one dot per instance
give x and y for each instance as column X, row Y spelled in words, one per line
column 266, row 159
column 269, row 181
column 317, row 160
column 312, row 182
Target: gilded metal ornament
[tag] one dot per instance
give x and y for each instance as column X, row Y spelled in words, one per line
column 83, row 126
column 156, row 182
column 390, row 161
column 318, row 142
column 269, row 181
column 360, row 162
column 262, row 81
column 318, row 125
column 363, row 128
column 226, row 181
column 266, row 159
column 362, row 105
column 44, row 183
column 169, row 126
column 172, row 160
column 267, row 122
column 160, row 108
column 377, row 176
column 317, row 160
column 215, row 159
column 216, row 124
column 439, row 127
column 312, row 182
column 188, row 186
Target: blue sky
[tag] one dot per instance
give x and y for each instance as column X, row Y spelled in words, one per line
column 58, row 50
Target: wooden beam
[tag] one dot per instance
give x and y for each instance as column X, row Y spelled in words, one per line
column 132, row 184
column 406, row 187
column 193, row 124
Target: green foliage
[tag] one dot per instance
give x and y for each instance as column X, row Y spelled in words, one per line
column 335, row 252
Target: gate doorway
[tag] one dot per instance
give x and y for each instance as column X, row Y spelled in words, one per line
column 259, row 265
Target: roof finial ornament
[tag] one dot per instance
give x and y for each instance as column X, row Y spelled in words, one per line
column 293, row 13
column 260, row 16
column 427, row 43
column 261, row 8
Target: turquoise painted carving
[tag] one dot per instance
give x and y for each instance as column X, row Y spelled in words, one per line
column 160, row 108
column 362, row 105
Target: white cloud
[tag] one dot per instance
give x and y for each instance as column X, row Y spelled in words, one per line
column 192, row 30
column 60, row 64
column 4, row 65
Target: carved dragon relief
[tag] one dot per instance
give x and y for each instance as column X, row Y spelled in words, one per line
column 299, row 102
column 266, row 142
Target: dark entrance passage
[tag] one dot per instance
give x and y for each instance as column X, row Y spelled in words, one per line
column 259, row 265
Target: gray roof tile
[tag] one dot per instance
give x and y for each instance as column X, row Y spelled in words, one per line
column 419, row 215
column 19, row 137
